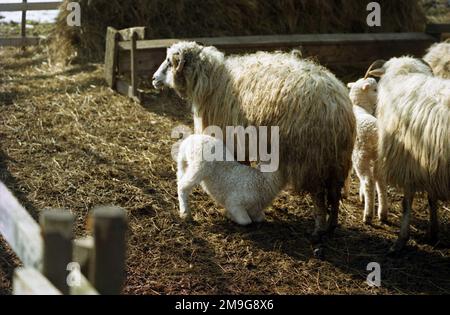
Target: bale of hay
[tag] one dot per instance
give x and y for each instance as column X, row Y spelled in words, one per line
column 193, row 18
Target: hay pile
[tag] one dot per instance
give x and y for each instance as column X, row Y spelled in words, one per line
column 193, row 18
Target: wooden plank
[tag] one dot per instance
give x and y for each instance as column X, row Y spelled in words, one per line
column 126, row 34
column 29, row 281
column 112, row 38
column 282, row 40
column 57, row 231
column 82, row 253
column 85, row 287
column 437, row 29
column 32, row 6
column 133, row 65
column 24, row 21
column 124, row 88
column 20, row 41
column 329, row 49
column 108, row 271
column 19, row 229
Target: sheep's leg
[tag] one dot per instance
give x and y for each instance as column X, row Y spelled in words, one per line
column 334, row 197
column 383, row 205
column 347, row 184
column 239, row 215
column 185, row 185
column 320, row 217
column 405, row 228
column 369, row 199
column 257, row 216
column 433, row 230
column 361, row 191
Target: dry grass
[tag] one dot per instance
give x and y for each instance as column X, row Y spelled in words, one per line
column 68, row 141
column 193, row 18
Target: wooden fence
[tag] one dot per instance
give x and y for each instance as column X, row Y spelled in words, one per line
column 129, row 55
column 23, row 40
column 54, row 263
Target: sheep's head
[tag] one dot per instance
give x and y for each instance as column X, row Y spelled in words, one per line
column 364, row 93
column 399, row 66
column 180, row 68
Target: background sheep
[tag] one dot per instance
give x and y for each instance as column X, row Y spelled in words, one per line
column 413, row 112
column 438, row 57
column 363, row 94
column 242, row 190
column 308, row 103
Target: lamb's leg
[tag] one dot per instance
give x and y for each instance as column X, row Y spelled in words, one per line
column 433, row 230
column 185, row 185
column 257, row 216
column 369, row 199
column 239, row 215
column 405, row 228
column 383, row 204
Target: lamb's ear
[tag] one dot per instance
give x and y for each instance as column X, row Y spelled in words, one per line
column 178, row 62
column 350, row 85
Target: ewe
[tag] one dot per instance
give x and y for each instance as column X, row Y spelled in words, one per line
column 308, row 103
column 413, row 113
column 438, row 57
column 243, row 191
column 363, row 94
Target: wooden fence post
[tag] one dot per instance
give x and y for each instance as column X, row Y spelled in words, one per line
column 24, row 24
column 107, row 272
column 57, row 232
column 112, row 38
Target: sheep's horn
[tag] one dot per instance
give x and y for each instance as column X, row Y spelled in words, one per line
column 375, row 65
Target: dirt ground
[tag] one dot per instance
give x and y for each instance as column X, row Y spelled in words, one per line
column 67, row 141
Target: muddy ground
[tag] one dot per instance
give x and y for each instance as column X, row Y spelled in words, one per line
column 67, row 141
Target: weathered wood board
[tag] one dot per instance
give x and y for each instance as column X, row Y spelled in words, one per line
column 20, row 230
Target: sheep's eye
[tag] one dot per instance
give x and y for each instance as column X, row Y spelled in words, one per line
column 169, row 63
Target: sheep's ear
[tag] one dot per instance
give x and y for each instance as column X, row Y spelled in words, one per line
column 365, row 86
column 350, row 85
column 178, row 62
column 377, row 72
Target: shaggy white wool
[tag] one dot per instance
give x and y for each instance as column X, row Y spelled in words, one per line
column 243, row 191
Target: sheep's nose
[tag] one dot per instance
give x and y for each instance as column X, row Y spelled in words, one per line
column 153, row 77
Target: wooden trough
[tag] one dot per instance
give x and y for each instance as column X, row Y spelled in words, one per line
column 54, row 263
column 129, row 56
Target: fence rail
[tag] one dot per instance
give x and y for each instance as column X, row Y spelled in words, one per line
column 29, row 6
column 48, row 250
column 24, row 7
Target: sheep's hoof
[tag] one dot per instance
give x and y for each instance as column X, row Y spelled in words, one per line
column 187, row 217
column 397, row 248
column 367, row 220
column 318, row 253
column 432, row 238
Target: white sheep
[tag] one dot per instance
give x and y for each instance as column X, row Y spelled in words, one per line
column 363, row 94
column 438, row 57
column 413, row 113
column 306, row 101
column 243, row 191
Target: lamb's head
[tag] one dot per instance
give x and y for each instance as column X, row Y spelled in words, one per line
column 399, row 66
column 182, row 66
column 364, row 93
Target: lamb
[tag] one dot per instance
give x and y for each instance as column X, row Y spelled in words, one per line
column 308, row 103
column 438, row 57
column 413, row 112
column 243, row 190
column 363, row 94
